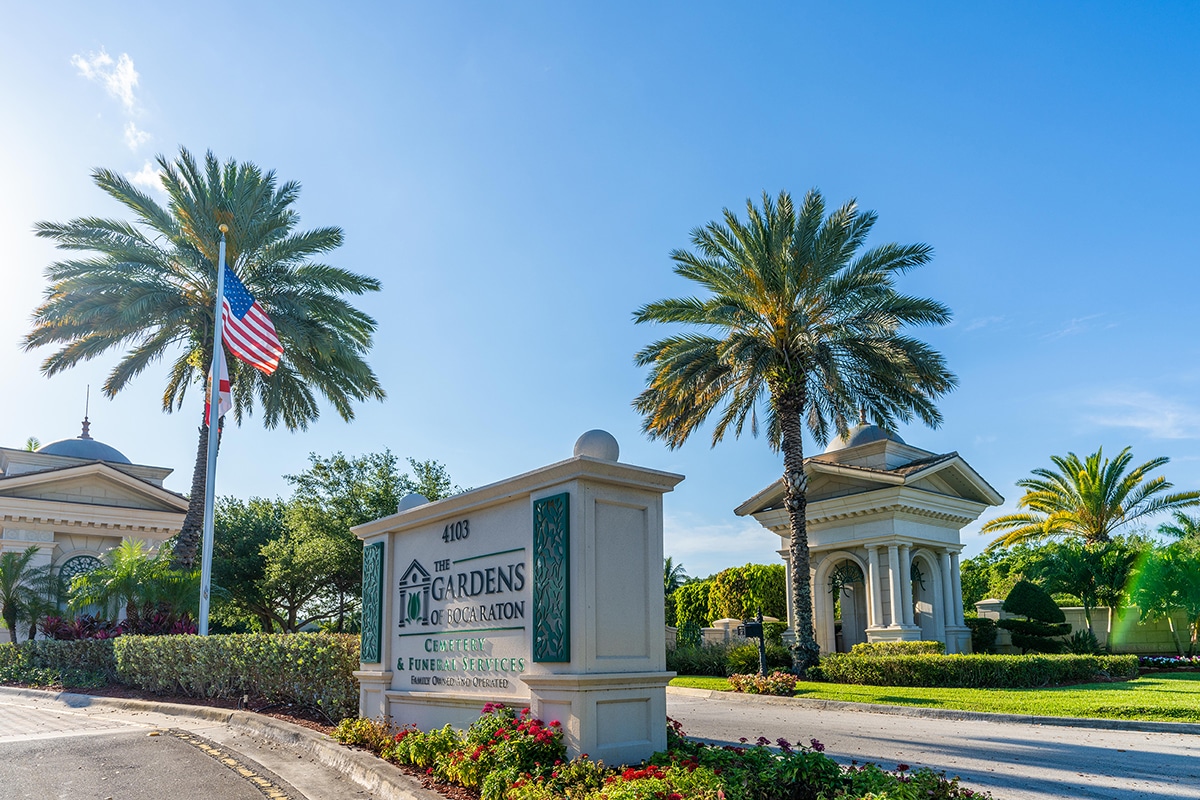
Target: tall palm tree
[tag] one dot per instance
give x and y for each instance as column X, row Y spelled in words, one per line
column 1088, row 499
column 805, row 325
column 148, row 287
column 18, row 579
column 673, row 574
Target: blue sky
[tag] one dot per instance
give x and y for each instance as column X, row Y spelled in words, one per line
column 516, row 175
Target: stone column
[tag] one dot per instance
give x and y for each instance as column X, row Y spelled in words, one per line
column 874, row 588
column 906, row 599
column 894, row 585
column 789, row 635
column 947, row 610
column 956, row 580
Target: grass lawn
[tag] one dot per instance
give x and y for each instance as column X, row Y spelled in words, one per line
column 1168, row 697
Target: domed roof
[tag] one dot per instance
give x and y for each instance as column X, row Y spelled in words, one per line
column 84, row 446
column 863, row 433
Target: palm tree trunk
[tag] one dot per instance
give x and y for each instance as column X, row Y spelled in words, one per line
column 187, row 543
column 788, row 406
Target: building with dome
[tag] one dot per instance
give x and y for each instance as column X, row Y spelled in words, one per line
column 884, row 535
column 75, row 499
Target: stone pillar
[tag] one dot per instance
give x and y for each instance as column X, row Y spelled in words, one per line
column 874, row 588
column 894, row 585
column 956, row 580
column 906, row 600
column 947, row 610
column 789, row 635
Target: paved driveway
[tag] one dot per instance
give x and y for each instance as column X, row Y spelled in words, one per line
column 1019, row 761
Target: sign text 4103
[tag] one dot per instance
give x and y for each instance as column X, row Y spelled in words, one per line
column 456, row 531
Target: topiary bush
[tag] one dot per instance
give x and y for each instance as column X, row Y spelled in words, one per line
column 877, row 649
column 983, row 634
column 1044, row 620
column 977, row 671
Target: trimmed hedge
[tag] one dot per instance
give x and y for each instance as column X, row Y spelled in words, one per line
column 310, row 669
column 976, row 671
column 878, row 649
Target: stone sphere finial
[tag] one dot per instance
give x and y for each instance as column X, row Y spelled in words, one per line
column 411, row 501
column 598, row 444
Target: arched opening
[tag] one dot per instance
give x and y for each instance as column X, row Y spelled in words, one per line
column 847, row 587
column 925, row 596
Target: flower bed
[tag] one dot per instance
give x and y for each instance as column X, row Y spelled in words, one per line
column 1158, row 663
column 508, row 755
column 778, row 683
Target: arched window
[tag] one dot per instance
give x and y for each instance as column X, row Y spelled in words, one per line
column 77, row 565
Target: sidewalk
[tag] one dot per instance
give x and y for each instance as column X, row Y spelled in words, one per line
column 297, row 754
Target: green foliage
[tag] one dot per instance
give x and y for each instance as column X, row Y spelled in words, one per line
column 1168, row 581
column 977, row 671
column 49, row 664
column 691, row 603
column 689, row 634
column 314, row 670
column 1031, row 601
column 422, row 749
column 141, row 584
column 1084, row 642
column 1088, row 499
column 674, row 576
column 777, row 683
column 366, row 733
column 500, row 747
column 21, row 587
column 708, row 659
column 773, row 632
column 740, row 592
column 743, row 658
column 1043, row 621
column 877, row 649
column 983, row 634
column 1095, row 573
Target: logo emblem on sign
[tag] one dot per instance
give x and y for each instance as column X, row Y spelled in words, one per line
column 414, row 595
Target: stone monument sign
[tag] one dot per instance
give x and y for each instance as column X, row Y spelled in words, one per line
column 543, row 590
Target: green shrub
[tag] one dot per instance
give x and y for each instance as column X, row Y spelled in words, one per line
column 983, row 634
column 876, row 649
column 314, row 670
column 773, row 631
column 689, row 634
column 706, row 659
column 1044, row 620
column 977, row 671
column 1084, row 642
column 366, row 733
column 83, row 655
column 691, row 603
column 778, row 683
column 422, row 748
column 743, row 658
column 1030, row 600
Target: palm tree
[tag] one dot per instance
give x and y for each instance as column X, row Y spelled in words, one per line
column 128, row 578
column 149, row 287
column 673, row 575
column 804, row 325
column 1184, row 527
column 1088, row 499
column 18, row 578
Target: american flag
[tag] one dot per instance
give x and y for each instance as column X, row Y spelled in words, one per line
column 249, row 333
column 226, row 401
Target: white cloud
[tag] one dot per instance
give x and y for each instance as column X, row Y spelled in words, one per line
column 982, row 322
column 1075, row 326
column 705, row 547
column 117, row 77
column 134, row 137
column 1158, row 417
column 148, row 177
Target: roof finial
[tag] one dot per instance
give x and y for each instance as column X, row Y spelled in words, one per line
column 87, row 400
column 862, row 415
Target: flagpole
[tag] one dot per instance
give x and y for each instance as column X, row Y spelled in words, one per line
column 214, row 410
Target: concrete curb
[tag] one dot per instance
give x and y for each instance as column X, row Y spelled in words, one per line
column 370, row 772
column 942, row 713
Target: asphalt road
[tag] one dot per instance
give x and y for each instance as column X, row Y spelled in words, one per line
column 1017, row 761
column 49, row 750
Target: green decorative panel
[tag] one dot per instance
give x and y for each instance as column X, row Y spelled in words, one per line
column 372, row 603
column 551, row 586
